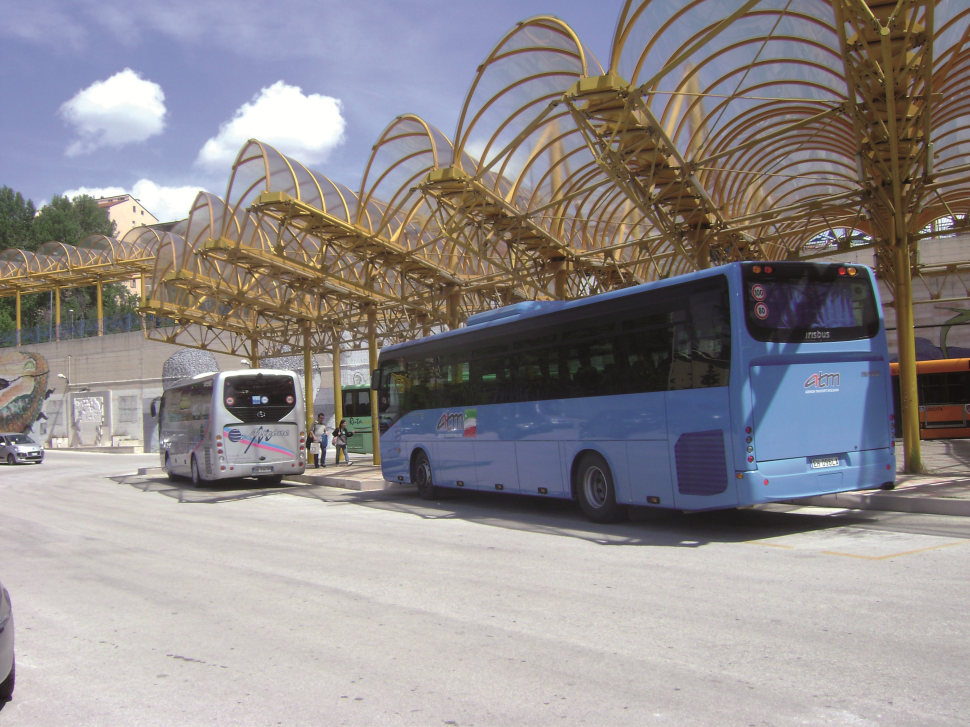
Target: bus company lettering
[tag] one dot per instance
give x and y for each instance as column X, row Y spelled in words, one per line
column 820, row 382
column 817, row 335
column 257, row 436
column 465, row 422
column 451, row 422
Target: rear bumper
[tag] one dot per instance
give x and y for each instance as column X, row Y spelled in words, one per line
column 787, row 479
column 245, row 469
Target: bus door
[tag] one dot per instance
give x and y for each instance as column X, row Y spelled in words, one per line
column 698, row 404
column 356, row 410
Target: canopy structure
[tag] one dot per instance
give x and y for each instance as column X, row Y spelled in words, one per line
column 714, row 131
column 95, row 261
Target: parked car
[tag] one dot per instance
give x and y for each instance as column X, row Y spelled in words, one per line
column 7, row 666
column 17, row 448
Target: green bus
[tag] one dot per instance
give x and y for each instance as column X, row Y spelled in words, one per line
column 356, row 410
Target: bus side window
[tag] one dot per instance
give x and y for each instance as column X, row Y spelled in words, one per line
column 349, row 408
column 681, row 370
column 711, row 339
column 363, row 403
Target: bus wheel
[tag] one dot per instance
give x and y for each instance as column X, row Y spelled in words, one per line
column 197, row 480
column 422, row 478
column 597, row 495
column 168, row 469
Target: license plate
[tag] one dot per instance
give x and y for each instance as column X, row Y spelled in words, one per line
column 820, row 462
column 269, row 470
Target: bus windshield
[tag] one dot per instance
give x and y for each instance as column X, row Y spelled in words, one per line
column 796, row 302
column 259, row 397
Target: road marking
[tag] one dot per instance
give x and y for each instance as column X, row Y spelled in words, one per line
column 896, row 555
column 862, row 543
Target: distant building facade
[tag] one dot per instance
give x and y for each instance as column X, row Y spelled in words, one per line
column 127, row 212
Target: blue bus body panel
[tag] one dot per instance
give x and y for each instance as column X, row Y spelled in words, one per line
column 684, row 449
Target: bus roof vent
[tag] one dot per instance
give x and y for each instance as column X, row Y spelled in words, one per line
column 528, row 306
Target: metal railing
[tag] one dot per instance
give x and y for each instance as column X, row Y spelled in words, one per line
column 80, row 328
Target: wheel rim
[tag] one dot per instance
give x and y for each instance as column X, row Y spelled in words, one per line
column 595, row 487
column 10, row 459
column 424, row 474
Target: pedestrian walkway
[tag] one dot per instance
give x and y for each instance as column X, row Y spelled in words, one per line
column 943, row 489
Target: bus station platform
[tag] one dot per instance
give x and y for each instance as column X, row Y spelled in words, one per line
column 943, row 489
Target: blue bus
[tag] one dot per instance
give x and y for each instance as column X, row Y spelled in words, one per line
column 743, row 384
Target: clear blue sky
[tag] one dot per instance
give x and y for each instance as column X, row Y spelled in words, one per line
column 74, row 118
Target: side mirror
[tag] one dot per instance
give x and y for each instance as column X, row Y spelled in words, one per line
column 375, row 379
column 153, row 410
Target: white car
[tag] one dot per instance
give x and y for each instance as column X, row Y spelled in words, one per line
column 19, row 448
column 7, row 668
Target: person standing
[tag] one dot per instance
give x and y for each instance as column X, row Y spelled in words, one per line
column 340, row 435
column 319, row 435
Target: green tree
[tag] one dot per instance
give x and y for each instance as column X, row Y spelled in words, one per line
column 63, row 220
column 16, row 216
column 70, row 221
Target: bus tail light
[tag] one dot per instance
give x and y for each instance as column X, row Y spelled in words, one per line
column 750, row 458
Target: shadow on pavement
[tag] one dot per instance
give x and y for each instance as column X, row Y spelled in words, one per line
column 562, row 518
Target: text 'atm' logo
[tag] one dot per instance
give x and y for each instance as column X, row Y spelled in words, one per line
column 822, row 381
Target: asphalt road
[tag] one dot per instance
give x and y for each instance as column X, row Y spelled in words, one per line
column 140, row 602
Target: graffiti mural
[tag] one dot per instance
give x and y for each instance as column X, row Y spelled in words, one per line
column 23, row 389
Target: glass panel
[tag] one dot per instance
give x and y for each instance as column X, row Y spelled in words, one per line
column 259, row 397
column 800, row 302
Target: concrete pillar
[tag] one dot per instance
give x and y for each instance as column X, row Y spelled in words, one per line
column 100, row 310
column 906, row 343
column 372, row 350
column 338, row 395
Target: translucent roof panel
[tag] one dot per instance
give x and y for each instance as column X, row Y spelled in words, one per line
column 260, row 168
column 531, row 66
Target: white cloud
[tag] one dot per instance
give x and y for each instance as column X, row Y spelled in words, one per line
column 166, row 203
column 303, row 127
column 123, row 109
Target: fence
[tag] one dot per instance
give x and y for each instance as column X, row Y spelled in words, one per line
column 81, row 328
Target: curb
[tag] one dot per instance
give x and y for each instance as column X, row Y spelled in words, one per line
column 891, row 502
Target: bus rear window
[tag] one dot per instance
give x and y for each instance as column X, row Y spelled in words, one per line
column 797, row 302
column 259, row 397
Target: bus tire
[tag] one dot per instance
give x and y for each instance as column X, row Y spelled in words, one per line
column 422, row 477
column 7, row 686
column 197, row 480
column 595, row 489
column 168, row 469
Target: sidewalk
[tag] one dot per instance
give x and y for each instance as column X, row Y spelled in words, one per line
column 943, row 490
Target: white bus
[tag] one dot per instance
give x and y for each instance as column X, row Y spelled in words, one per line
column 247, row 423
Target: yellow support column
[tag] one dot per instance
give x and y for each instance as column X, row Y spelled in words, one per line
column 18, row 316
column 372, row 350
column 338, row 396
column 307, row 378
column 253, row 353
column 57, row 310
column 100, row 311
column 906, row 343
column 454, row 301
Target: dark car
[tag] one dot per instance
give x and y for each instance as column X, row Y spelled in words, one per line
column 7, row 668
